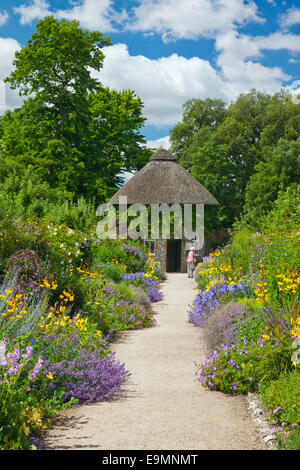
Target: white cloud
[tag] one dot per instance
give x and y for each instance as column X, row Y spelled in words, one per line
column 240, row 73
column 166, row 83
column 8, row 47
column 2, row 97
column 234, row 47
column 92, row 14
column 242, row 76
column 163, row 84
column 191, row 19
column 277, row 41
column 3, row 17
column 290, row 18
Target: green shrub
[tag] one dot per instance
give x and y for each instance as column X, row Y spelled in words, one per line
column 112, row 271
column 249, row 327
column 78, row 215
column 285, row 214
column 282, row 398
column 104, row 251
column 122, row 252
column 132, row 294
column 23, row 193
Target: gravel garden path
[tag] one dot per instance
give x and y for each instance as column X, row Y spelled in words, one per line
column 160, row 406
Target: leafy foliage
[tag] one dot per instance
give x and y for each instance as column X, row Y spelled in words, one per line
column 245, row 150
column 77, row 135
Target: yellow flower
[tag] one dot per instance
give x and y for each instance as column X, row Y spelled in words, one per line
column 49, row 376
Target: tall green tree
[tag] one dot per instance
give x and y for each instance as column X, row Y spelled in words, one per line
column 55, row 66
column 200, row 119
column 277, row 173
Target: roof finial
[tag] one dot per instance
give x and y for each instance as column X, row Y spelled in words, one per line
column 163, row 154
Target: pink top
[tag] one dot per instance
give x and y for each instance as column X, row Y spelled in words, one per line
column 191, row 257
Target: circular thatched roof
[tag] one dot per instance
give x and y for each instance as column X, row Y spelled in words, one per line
column 161, row 181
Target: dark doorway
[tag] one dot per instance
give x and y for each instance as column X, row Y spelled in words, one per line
column 173, row 256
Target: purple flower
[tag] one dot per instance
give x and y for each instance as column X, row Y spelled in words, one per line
column 88, row 377
column 14, row 369
column 28, row 353
column 14, row 357
column 205, row 302
column 151, row 286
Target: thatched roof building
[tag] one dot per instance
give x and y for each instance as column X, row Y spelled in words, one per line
column 164, row 180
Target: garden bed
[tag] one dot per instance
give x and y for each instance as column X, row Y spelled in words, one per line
column 63, row 296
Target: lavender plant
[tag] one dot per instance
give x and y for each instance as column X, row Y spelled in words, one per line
column 221, row 327
column 87, row 377
column 206, row 301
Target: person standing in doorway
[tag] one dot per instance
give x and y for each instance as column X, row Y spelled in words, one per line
column 191, row 262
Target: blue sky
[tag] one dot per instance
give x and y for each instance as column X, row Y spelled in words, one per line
column 169, row 51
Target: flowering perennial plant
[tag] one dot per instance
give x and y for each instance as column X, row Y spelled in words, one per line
column 88, row 377
column 126, row 315
column 20, row 311
column 154, row 269
column 241, row 367
column 19, row 369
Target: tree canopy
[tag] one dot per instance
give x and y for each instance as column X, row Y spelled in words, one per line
column 236, row 150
